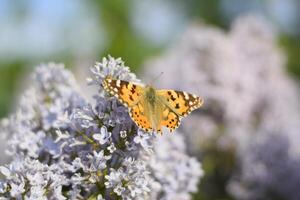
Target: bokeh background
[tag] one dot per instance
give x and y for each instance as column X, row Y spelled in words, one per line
column 78, row 33
column 75, row 32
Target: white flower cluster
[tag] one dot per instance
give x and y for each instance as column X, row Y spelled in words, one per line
column 248, row 98
column 170, row 150
column 64, row 147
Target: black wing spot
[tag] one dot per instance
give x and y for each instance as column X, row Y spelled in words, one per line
column 173, row 98
column 186, row 103
column 132, row 89
column 130, row 97
column 177, row 105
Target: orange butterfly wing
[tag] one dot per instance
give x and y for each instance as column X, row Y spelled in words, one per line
column 132, row 96
column 128, row 93
column 137, row 113
column 177, row 105
column 181, row 103
column 169, row 119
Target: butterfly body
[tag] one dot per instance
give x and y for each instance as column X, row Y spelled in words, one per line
column 152, row 109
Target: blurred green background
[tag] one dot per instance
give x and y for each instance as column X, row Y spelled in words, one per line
column 78, row 33
column 33, row 31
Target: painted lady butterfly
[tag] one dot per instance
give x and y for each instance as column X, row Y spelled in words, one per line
column 151, row 109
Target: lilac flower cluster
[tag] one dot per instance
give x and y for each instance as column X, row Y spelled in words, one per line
column 269, row 171
column 63, row 147
column 248, row 98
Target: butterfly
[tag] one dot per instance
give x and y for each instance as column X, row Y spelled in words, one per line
column 152, row 109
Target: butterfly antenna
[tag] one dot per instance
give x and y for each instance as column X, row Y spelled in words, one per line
column 157, row 77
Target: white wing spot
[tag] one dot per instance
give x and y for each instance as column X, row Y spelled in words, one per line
column 118, row 83
column 186, row 96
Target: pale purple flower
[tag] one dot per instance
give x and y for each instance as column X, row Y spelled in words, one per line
column 119, row 189
column 143, row 139
column 268, row 170
column 69, row 148
column 111, row 148
column 248, row 97
column 123, row 134
column 102, row 137
column 100, row 197
column 97, row 161
column 113, row 178
column 179, row 179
